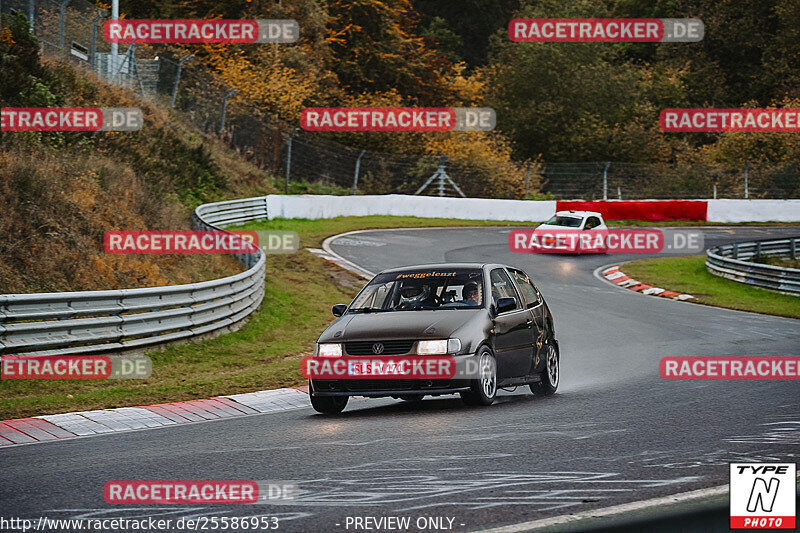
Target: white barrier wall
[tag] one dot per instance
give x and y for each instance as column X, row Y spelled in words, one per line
column 322, row 206
column 753, row 211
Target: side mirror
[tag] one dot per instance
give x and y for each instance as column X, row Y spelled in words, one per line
column 339, row 309
column 506, row 304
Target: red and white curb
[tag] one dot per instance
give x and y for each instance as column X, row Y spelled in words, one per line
column 86, row 423
column 616, row 276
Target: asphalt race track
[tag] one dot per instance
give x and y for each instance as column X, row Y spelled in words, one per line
column 615, row 433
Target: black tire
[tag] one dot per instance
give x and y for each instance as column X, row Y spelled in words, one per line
column 413, row 398
column 484, row 389
column 551, row 376
column 328, row 405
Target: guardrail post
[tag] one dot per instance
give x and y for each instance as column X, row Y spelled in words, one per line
column 793, row 249
column 735, row 251
column 758, row 250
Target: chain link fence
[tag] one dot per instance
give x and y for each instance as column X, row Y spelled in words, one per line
column 635, row 181
column 306, row 162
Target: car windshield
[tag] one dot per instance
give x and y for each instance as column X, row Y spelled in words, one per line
column 423, row 289
column 567, row 222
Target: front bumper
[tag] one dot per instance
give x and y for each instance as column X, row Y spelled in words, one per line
column 375, row 388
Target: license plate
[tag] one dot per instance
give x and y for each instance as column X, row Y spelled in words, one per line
column 388, row 368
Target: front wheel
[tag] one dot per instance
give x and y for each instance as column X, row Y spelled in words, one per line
column 484, row 389
column 329, row 405
column 552, row 373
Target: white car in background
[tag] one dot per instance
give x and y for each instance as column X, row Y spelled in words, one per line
column 567, row 224
column 578, row 220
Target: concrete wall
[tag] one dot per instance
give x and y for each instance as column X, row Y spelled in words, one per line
column 322, row 206
column 753, row 211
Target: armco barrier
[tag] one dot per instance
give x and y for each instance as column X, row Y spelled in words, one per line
column 729, row 261
column 134, row 319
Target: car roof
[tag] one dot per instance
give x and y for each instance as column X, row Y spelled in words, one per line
column 579, row 213
column 442, row 266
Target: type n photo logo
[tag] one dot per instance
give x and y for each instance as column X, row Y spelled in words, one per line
column 763, row 495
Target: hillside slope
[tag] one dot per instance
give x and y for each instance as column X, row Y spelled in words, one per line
column 59, row 192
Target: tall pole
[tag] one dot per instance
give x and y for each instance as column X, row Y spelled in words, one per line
column 746, row 172
column 358, row 166
column 30, row 14
column 441, row 173
column 289, row 161
column 93, row 49
column 114, row 46
column 527, row 178
column 62, row 9
column 605, row 181
column 224, row 109
column 178, row 78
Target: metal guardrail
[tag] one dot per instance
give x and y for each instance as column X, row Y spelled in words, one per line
column 133, row 319
column 730, row 261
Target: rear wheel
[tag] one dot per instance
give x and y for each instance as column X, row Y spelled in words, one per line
column 483, row 389
column 329, row 405
column 552, row 372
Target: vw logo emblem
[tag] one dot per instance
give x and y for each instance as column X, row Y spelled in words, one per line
column 377, row 348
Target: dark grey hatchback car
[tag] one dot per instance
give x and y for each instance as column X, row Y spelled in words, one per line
column 491, row 315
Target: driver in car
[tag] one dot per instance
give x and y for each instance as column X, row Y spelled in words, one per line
column 413, row 294
column 470, row 293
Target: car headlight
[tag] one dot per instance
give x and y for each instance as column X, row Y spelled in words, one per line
column 329, row 350
column 439, row 347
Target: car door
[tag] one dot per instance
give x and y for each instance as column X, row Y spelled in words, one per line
column 534, row 306
column 512, row 329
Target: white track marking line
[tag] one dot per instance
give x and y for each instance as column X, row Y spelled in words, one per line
column 610, row 511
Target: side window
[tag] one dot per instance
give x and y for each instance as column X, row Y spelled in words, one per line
column 526, row 287
column 592, row 223
column 502, row 286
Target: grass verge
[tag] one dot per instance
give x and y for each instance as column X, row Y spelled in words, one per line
column 263, row 354
column 689, row 275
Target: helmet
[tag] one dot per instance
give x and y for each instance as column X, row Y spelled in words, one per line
column 469, row 287
column 413, row 293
